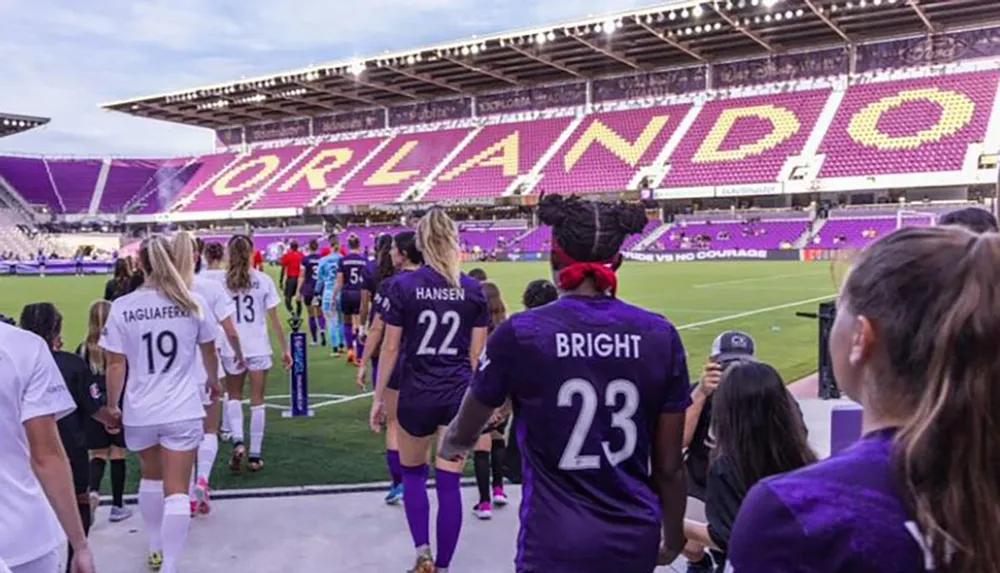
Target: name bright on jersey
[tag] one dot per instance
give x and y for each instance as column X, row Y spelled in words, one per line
column 599, row 345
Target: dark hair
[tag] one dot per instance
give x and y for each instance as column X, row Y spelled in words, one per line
column 353, row 242
column 494, row 305
column 199, row 248
column 383, row 259
column 334, row 241
column 313, row 245
column 538, row 293
column 43, row 319
column 933, row 296
column 972, row 218
column 406, row 243
column 121, row 276
column 478, row 274
column 590, row 231
column 758, row 424
column 238, row 270
column 294, row 245
column 214, row 252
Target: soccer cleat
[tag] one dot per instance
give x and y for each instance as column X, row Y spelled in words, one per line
column 395, row 495
column 202, row 494
column 704, row 565
column 350, row 356
column 95, row 501
column 483, row 510
column 255, row 464
column 119, row 514
column 313, row 343
column 194, row 508
column 322, row 340
column 154, row 561
column 424, row 563
column 236, row 461
column 499, row 497
column 225, row 436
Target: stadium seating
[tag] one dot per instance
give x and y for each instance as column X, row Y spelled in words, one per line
column 207, row 167
column 496, row 157
column 609, row 148
column 744, row 140
column 74, row 180
column 29, row 176
column 243, row 177
column 908, row 126
column 127, row 178
column 772, row 234
column 855, row 233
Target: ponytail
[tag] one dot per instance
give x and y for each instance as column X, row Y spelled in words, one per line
column 163, row 275
column 91, row 349
column 182, row 247
column 437, row 240
column 383, row 259
column 238, row 271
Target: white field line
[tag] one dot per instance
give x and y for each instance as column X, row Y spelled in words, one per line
column 754, row 312
column 756, row 279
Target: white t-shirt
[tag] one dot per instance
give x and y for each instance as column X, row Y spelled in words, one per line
column 30, row 387
column 160, row 341
column 251, row 310
column 222, row 307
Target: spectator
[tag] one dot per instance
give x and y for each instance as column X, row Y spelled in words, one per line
column 915, row 342
column 972, row 218
column 759, row 432
column 118, row 285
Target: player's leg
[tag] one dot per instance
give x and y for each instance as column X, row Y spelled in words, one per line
column 415, row 435
column 320, row 321
column 291, row 285
column 498, row 451
column 234, row 382
column 391, row 397
column 447, row 476
column 98, row 461
column 207, row 452
column 313, row 321
column 481, row 465
column 145, row 441
column 258, row 418
column 178, row 447
column 118, row 510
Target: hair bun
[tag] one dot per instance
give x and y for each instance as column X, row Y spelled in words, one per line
column 631, row 218
column 552, row 210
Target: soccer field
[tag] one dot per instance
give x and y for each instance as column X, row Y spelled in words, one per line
column 336, row 447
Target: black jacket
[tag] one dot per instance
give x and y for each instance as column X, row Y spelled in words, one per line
column 83, row 387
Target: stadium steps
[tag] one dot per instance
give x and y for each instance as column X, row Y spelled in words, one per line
column 331, row 194
column 11, row 197
column 659, row 169
column 991, row 142
column 652, row 237
column 55, row 188
column 183, row 202
column 247, row 202
column 421, row 189
column 810, row 232
column 807, row 157
column 531, row 179
column 151, row 187
column 102, row 179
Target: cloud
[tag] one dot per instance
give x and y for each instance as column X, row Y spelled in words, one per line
column 62, row 58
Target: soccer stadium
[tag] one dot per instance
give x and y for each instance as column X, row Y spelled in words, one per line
column 769, row 141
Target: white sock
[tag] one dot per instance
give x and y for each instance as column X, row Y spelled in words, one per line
column 235, row 409
column 257, row 419
column 151, row 508
column 207, row 451
column 176, row 522
column 225, row 413
column 191, row 486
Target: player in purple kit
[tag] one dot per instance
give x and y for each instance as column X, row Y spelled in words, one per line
column 915, row 342
column 349, row 283
column 436, row 317
column 308, row 292
column 599, row 388
column 375, row 271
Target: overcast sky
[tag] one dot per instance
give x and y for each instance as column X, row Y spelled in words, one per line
column 62, row 58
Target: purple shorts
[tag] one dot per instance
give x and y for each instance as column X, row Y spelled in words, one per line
column 423, row 421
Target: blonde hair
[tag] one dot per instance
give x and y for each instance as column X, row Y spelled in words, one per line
column 182, row 248
column 437, row 240
column 238, row 271
column 157, row 260
column 91, row 349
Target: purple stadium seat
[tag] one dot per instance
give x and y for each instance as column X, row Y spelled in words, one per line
column 767, row 234
column 74, row 180
column 244, row 177
column 29, row 176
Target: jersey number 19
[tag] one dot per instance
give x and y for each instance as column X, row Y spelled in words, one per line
column 163, row 345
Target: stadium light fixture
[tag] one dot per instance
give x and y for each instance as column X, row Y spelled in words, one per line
column 767, row 17
column 550, row 36
column 660, row 17
column 685, row 13
column 540, row 38
column 698, row 11
column 718, row 26
column 799, row 12
column 770, row 3
column 777, row 17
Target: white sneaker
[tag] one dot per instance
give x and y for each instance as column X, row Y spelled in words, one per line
column 483, row 510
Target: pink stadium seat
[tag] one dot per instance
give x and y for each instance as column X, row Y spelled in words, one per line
column 908, row 126
column 744, row 140
column 207, row 167
column 244, row 177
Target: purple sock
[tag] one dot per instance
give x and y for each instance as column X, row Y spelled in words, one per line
column 322, row 322
column 361, row 349
column 449, row 517
column 416, row 504
column 374, row 373
column 395, row 469
column 348, row 334
column 312, row 328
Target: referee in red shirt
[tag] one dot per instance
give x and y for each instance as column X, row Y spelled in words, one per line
column 258, row 260
column 291, row 270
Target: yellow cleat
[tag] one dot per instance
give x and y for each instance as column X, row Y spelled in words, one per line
column 154, row 561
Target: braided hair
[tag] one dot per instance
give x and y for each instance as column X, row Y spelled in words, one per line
column 539, row 292
column 43, row 319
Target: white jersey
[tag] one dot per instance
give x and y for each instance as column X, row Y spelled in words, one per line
column 160, row 341
column 251, row 310
column 31, row 387
column 221, row 304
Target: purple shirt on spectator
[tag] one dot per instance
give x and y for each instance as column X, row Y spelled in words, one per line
column 588, row 377
column 841, row 515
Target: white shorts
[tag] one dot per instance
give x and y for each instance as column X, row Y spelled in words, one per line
column 254, row 363
column 182, row 436
column 48, row 563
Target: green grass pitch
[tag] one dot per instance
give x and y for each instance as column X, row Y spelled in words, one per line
column 336, row 446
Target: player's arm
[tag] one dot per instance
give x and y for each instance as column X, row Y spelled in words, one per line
column 233, row 337
column 366, row 303
column 338, row 283
column 387, row 358
column 374, row 339
column 281, row 275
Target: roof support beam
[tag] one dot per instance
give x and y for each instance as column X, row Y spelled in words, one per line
column 262, row 104
column 745, row 31
column 915, row 4
column 613, row 54
column 670, row 41
column 426, row 78
column 484, row 70
column 194, row 116
column 547, row 61
column 338, row 93
column 830, row 23
column 386, row 88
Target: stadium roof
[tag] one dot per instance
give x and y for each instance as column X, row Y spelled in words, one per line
column 11, row 124
column 664, row 36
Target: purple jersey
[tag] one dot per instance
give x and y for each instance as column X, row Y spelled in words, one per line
column 368, row 276
column 589, row 378
column 437, row 321
column 841, row 515
column 351, row 266
column 309, row 264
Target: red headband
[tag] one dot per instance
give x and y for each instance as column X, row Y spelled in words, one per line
column 573, row 272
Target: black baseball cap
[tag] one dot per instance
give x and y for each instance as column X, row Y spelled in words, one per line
column 733, row 345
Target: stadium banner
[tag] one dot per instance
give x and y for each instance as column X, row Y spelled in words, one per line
column 684, row 193
column 229, row 136
column 54, row 267
column 929, row 50
column 298, row 376
column 522, row 257
column 430, row 112
column 714, row 255
column 348, row 122
column 288, row 129
column 810, row 254
column 749, row 190
column 781, row 68
column 653, row 84
column 532, row 99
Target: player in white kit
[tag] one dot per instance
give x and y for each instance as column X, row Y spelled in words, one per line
column 255, row 296
column 157, row 334
column 34, row 470
column 187, row 259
